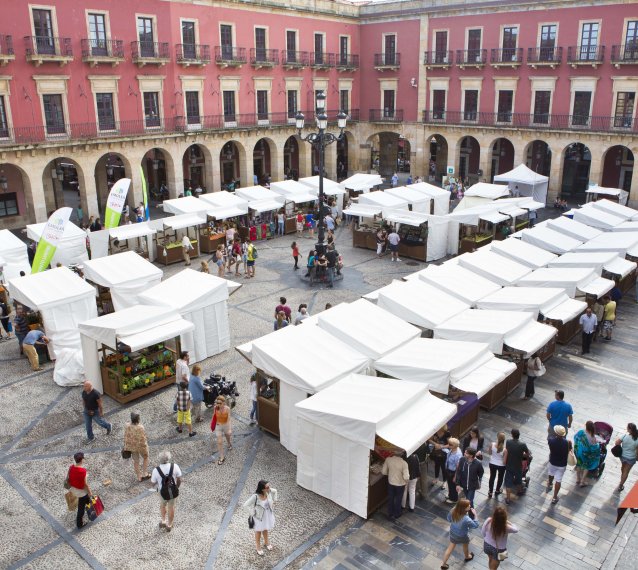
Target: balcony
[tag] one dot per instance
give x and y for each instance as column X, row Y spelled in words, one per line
column 228, row 56
column 386, row 115
column 193, row 54
column 471, row 58
column 95, row 52
column 506, row 57
column 150, row 53
column 46, row 49
column 389, row 61
column 291, row 59
column 626, row 54
column 6, row 50
column 585, row 55
column 441, row 59
column 322, row 60
column 262, row 57
column 544, row 57
column 346, row 62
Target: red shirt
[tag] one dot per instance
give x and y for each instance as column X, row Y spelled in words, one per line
column 300, row 218
column 77, row 477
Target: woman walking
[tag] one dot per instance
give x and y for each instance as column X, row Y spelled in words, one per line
column 260, row 506
column 462, row 519
column 629, row 444
column 135, row 441
column 495, row 530
column 222, row 427
column 535, row 369
column 310, row 264
column 414, row 469
column 295, row 254
column 219, row 260
column 497, row 466
column 587, row 452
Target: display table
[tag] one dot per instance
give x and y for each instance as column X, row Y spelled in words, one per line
column 290, row 225
column 365, row 238
column 268, row 404
column 208, row 241
column 472, row 243
column 495, row 396
column 467, row 412
column 174, row 252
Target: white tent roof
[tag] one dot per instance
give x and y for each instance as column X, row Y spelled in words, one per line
column 483, row 378
column 14, row 252
column 441, row 197
column 406, row 217
column 224, row 199
column 306, row 357
column 138, row 326
column 549, row 239
column 521, row 175
column 131, row 231
column 494, row 217
column 494, row 267
column 183, row 221
column 363, row 210
column 386, row 201
column 419, row 303
column 597, row 218
column 293, row 191
column 330, row 187
column 522, row 252
column 185, row 205
column 621, row 267
column 225, row 212
column 616, row 209
column 517, row 330
column 573, row 229
column 50, row 288
column 71, row 232
column 602, row 191
column 361, row 182
column 254, row 193
column 628, row 226
column 410, row 194
column 619, row 242
column 458, row 281
column 485, row 190
column 572, row 279
column 265, row 205
column 367, row 328
column 120, row 268
column 360, row 407
column 594, row 259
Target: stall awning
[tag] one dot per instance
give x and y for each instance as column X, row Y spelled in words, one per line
column 258, row 193
column 361, row 181
column 573, row 229
column 549, row 240
column 494, row 217
column 363, row 210
column 622, row 195
column 616, row 209
column 629, row 226
column 530, row 338
column 522, row 252
column 485, row 190
column 566, row 310
column 14, row 253
column 494, row 267
column 71, row 232
column 483, row 378
column 386, row 201
column 593, row 259
column 409, row 194
column 132, row 231
column 223, row 213
column 120, row 268
column 293, row 191
column 157, row 334
column 597, row 287
column 405, row 217
column 571, row 279
column 619, row 242
column 330, row 187
column 514, row 212
column 597, row 218
column 621, row 267
column 265, row 205
column 301, row 197
column 529, row 299
column 183, row 221
column 458, row 281
column 185, row 205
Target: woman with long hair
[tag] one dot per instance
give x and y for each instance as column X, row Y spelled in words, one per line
column 260, row 506
column 462, row 519
column 495, row 530
column 587, row 452
column 295, row 254
column 629, row 444
column 474, row 439
column 497, row 465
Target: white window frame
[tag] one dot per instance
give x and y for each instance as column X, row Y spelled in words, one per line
column 538, row 35
column 153, row 18
column 54, row 17
column 471, row 84
column 504, row 84
column 193, row 83
column 152, row 84
column 261, row 27
column 5, row 91
column 582, row 84
column 105, row 84
column 54, row 85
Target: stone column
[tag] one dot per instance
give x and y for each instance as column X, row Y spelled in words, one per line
column 330, row 161
column 215, row 168
column 40, row 192
column 305, row 158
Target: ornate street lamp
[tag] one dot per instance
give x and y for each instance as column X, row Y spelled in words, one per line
column 320, row 140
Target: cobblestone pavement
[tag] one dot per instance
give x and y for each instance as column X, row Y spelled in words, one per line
column 41, row 427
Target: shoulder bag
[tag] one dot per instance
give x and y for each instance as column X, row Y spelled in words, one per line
column 251, row 518
column 616, row 451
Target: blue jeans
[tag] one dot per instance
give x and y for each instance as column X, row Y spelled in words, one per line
column 88, row 423
column 331, row 276
column 395, row 494
column 253, row 412
column 469, row 495
column 281, row 228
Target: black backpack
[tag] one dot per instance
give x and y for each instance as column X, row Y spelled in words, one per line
column 168, row 489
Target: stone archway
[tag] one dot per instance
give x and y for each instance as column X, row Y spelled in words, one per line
column 538, row 157
column 64, row 185
column 196, row 163
column 469, row 160
column 109, row 169
column 343, row 155
column 438, row 160
column 16, row 198
column 386, row 149
column 231, row 158
column 262, row 161
column 618, row 168
column 576, row 166
column 291, row 158
column 502, row 157
column 159, row 171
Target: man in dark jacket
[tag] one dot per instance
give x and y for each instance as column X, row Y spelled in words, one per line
column 469, row 473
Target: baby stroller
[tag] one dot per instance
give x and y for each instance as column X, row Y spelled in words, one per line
column 219, row 386
column 603, row 435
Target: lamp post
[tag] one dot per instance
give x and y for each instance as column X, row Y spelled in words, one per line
column 320, row 140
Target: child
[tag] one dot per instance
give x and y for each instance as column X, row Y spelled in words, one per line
column 295, row 254
column 184, row 409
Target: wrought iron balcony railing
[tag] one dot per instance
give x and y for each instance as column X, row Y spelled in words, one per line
column 98, row 48
column 387, row 59
column 264, row 57
column 229, row 55
column 193, row 54
column 585, row 55
column 506, row 56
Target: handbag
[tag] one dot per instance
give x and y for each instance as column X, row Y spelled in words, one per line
column 126, row 454
column 251, row 519
column 571, row 458
column 213, row 423
column 502, row 555
column 616, row 451
column 95, row 508
column 71, row 501
column 67, row 485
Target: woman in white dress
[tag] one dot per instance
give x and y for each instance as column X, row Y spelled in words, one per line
column 260, row 507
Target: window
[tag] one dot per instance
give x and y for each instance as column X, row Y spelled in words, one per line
column 389, row 49
column 192, row 107
column 105, row 111
column 151, row 109
column 97, row 34
column 260, row 44
column 4, row 123
column 542, row 100
column 438, row 103
column 548, row 43
column 318, row 48
column 344, row 101
column 229, row 106
column 388, row 103
column 146, row 37
column 624, row 112
column 473, row 45
column 470, row 109
column 510, row 43
column 440, row 47
column 589, row 42
column 226, row 35
column 43, row 30
column 291, row 46
column 582, row 103
column 53, row 114
column 504, row 109
column 292, row 103
column 344, row 50
column 631, row 41
column 8, row 205
column 188, row 40
column 262, row 105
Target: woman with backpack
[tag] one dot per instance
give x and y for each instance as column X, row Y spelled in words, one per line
column 167, row 477
column 260, row 506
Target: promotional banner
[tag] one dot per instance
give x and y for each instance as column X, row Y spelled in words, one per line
column 115, row 203
column 147, row 215
column 51, row 236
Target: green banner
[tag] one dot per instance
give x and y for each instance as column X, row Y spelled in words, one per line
column 51, row 236
column 145, row 195
column 115, row 203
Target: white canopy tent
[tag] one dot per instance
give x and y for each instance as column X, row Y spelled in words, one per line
column 437, row 230
column 573, row 229
column 419, row 201
column 287, row 355
column 619, row 242
column 594, row 259
column 363, row 210
column 495, row 267
column 330, row 188
column 516, row 329
column 458, row 281
column 576, row 281
column 224, row 199
column 597, row 218
column 137, row 326
column 293, row 191
column 183, row 221
column 367, row 328
column 64, row 300
column 628, row 226
column 529, row 183
column 141, row 230
column 616, row 209
column 386, row 201
column 522, row 252
column 266, row 205
column 485, row 190
column 593, row 192
column 185, row 205
column 549, row 239
column 14, row 252
column 259, row 193
column 202, row 300
column 440, row 197
column 71, row 248
column 126, row 274
column 337, row 429
column 361, row 182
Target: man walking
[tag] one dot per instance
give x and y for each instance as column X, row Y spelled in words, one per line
column 469, row 473
column 182, row 372
column 92, row 401
column 21, row 327
column 609, row 317
column 393, row 240
column 588, row 323
column 29, row 347
column 515, row 453
column 396, row 468
column 332, row 256
column 559, row 413
column 187, row 246
column 167, row 477
column 558, row 451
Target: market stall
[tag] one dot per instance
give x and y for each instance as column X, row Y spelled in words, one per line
column 619, row 242
column 622, row 211
column 599, row 193
column 365, row 229
column 417, row 201
column 495, row 267
column 298, row 197
column 292, row 364
column 522, row 252
column 263, row 205
column 71, row 248
column 226, row 209
column 573, row 229
column 346, row 431
column 63, row 300
column 168, row 241
column 386, row 202
column 14, row 252
column 597, row 218
column 132, row 353
column 360, row 183
column 413, row 229
column 120, row 279
column 134, row 238
column 523, row 181
column 330, row 188
column 549, row 240
column 440, row 198
column 578, row 282
column 200, row 299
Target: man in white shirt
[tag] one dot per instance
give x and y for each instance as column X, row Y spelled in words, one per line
column 182, row 372
column 393, row 240
column 167, row 505
column 186, row 248
column 398, row 474
column 588, row 321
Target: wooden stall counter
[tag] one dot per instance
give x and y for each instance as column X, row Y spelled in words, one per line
column 566, row 331
column 268, row 404
column 513, row 381
column 377, row 489
column 467, row 412
column 209, row 241
column 413, row 251
column 472, row 243
column 495, row 396
column 290, row 225
column 366, row 238
column 174, row 252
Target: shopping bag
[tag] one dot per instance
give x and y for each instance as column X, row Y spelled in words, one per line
column 71, row 501
column 99, row 505
column 93, row 507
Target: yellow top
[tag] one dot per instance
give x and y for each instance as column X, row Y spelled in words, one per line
column 610, row 311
